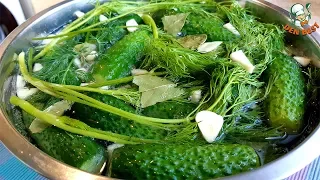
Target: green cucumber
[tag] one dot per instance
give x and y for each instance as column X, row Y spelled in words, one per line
column 285, row 104
column 211, row 26
column 174, row 161
column 114, row 32
column 77, row 151
column 199, row 22
column 118, row 61
column 169, row 110
column 109, row 122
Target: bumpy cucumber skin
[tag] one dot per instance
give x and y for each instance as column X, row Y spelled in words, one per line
column 169, row 110
column 114, row 32
column 211, row 26
column 77, row 151
column 182, row 161
column 114, row 123
column 119, row 59
column 285, row 104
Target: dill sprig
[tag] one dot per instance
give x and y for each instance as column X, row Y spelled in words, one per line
column 58, row 64
column 166, row 53
column 258, row 39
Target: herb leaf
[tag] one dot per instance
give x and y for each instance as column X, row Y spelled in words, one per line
column 193, row 41
column 155, row 89
column 174, row 23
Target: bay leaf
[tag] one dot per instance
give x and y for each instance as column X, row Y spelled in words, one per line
column 155, row 89
column 192, row 41
column 173, row 24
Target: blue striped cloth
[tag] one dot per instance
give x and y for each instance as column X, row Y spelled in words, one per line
column 12, row 169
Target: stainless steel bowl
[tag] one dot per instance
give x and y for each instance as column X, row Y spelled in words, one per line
column 59, row 15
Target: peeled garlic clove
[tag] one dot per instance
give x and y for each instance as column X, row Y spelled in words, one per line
column 37, row 67
column 209, row 124
column 77, row 62
column 92, row 56
column 136, row 72
column 102, row 18
column 209, row 46
column 79, row 14
column 24, row 93
column 304, row 61
column 232, row 29
column 84, row 84
column 196, row 96
column 241, row 58
column 20, row 83
column 132, row 22
column 105, row 87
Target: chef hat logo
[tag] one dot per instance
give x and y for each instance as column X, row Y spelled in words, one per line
column 297, row 9
column 298, row 15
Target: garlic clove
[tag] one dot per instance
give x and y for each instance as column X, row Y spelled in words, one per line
column 92, row 56
column 102, row 18
column 132, row 22
column 20, row 83
column 37, row 67
column 195, row 96
column 77, row 62
column 304, row 61
column 209, row 46
column 209, row 124
column 105, row 88
column 232, row 29
column 241, row 58
column 79, row 14
column 24, row 93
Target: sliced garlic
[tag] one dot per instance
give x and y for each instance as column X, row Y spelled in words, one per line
column 241, row 58
column 105, row 88
column 102, row 18
column 195, row 96
column 304, row 61
column 232, row 29
column 136, row 72
column 37, row 67
column 79, row 14
column 77, row 62
column 132, row 22
column 20, row 83
column 90, row 57
column 209, row 124
column 209, row 46
column 24, row 93
column 84, row 84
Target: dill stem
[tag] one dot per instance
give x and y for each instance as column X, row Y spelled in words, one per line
column 30, row 56
column 144, row 7
column 222, row 94
column 117, row 81
column 59, row 122
column 149, row 21
column 74, row 33
column 49, row 88
column 77, row 23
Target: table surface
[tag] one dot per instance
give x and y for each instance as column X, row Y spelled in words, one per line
column 11, row 168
